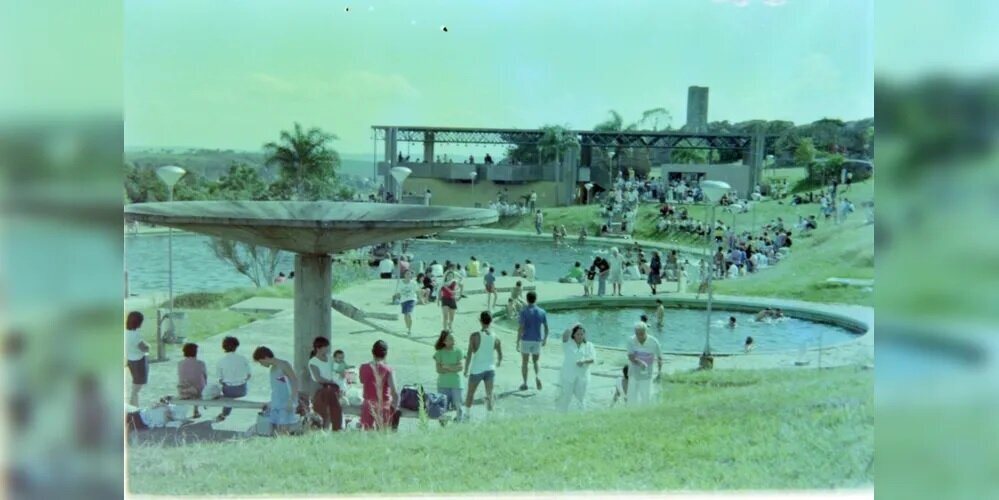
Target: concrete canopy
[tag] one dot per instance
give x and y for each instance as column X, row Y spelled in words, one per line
column 316, row 228
column 312, row 230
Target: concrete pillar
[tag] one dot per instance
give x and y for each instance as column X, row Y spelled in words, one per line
column 313, row 309
column 391, row 152
column 428, row 147
column 757, row 148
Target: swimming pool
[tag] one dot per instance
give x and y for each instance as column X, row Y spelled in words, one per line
column 683, row 330
column 196, row 269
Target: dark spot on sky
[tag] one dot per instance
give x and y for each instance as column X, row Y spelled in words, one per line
column 346, row 9
column 444, row 29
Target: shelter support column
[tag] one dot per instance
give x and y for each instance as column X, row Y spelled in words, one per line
column 313, row 309
column 428, row 147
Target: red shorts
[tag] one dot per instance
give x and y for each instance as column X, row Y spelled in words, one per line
column 490, row 288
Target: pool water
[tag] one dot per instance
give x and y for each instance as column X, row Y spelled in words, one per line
column 683, row 330
column 196, row 269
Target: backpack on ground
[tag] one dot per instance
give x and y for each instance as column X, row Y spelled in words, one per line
column 409, row 397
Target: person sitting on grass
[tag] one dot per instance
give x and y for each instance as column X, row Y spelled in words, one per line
column 192, row 375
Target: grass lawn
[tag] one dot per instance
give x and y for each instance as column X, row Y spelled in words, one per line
column 720, row 430
column 199, row 325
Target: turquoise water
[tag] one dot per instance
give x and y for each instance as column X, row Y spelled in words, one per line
column 683, row 330
column 197, row 269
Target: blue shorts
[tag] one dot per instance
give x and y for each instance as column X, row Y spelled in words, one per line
column 407, row 307
column 486, row 376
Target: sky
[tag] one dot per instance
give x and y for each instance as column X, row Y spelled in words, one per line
column 231, row 74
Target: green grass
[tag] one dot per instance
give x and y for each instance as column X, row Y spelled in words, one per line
column 721, row 430
column 199, row 324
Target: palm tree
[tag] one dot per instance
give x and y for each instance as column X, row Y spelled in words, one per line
column 305, row 160
column 555, row 142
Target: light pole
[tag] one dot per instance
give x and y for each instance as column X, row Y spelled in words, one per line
column 400, row 174
column 169, row 174
column 473, row 175
column 712, row 191
column 589, row 191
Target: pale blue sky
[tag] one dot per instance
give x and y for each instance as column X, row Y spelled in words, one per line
column 233, row 73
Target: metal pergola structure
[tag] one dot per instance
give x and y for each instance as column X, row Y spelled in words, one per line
column 614, row 139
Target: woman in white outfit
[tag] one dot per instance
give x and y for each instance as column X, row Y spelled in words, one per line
column 616, row 261
column 578, row 355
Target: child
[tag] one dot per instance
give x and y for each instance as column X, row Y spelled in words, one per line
column 515, row 295
column 511, row 308
column 591, row 275
column 340, row 367
column 731, row 323
column 749, row 344
column 621, row 391
column 660, row 313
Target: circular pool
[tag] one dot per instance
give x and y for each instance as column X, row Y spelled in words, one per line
column 683, row 329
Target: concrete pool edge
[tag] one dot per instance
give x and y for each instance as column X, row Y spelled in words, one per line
column 597, row 241
column 862, row 327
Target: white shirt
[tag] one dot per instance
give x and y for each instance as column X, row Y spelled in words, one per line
column 529, row 271
column 233, row 369
column 407, row 291
column 647, row 352
column 156, row 417
column 573, row 353
column 437, row 270
column 132, row 340
column 386, row 266
column 534, row 196
column 483, row 358
column 325, row 368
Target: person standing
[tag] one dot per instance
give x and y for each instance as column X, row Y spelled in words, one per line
column 408, row 294
column 539, row 218
column 449, row 369
column 473, row 268
column 135, row 352
column 480, row 363
column 642, row 351
column 385, row 267
column 490, row 282
column 449, row 304
column 591, row 275
column 616, row 271
column 326, row 399
column 378, row 410
column 284, row 388
column 426, row 198
column 603, row 269
column 533, row 199
column 529, row 339
column 192, row 375
column 578, row 356
column 233, row 374
column 655, row 270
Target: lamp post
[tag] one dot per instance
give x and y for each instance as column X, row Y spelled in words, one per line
column 712, row 191
column 473, row 175
column 169, row 174
column 400, row 174
column 589, row 191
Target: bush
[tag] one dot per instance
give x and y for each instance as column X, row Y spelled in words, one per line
column 210, row 300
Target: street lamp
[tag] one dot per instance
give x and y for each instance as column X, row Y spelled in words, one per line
column 712, row 192
column 400, row 174
column 170, row 175
column 473, row 174
column 589, row 189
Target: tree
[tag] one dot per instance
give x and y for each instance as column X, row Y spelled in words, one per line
column 306, row 164
column 688, row 155
column 257, row 263
column 555, row 142
column 804, row 154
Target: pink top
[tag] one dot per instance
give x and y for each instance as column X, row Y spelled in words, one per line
column 192, row 371
column 368, row 381
column 447, row 292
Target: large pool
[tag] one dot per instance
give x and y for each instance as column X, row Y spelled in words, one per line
column 197, row 269
column 683, row 330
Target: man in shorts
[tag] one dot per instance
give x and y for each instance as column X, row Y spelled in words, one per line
column 491, row 296
column 529, row 339
column 480, row 363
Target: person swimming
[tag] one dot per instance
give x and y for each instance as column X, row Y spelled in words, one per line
column 749, row 344
column 731, row 322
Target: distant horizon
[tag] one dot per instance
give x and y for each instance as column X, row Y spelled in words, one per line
column 369, row 155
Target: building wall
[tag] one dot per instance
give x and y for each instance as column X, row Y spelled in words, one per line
column 736, row 175
column 463, row 194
